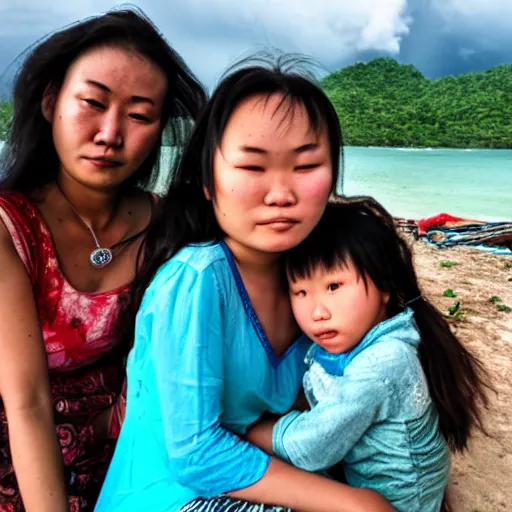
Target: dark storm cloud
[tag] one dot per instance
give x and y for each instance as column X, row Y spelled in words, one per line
column 437, row 36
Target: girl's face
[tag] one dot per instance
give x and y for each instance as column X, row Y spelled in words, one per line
column 106, row 117
column 272, row 176
column 336, row 309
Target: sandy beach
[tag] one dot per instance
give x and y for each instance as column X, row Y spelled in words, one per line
column 481, row 480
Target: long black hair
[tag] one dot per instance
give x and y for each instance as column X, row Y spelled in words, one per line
column 29, row 160
column 362, row 231
column 186, row 216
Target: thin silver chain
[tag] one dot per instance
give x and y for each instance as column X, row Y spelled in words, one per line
column 96, row 241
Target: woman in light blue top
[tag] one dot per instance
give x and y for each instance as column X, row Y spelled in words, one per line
column 215, row 343
column 390, row 387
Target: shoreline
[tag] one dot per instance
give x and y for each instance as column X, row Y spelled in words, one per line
column 481, row 479
column 430, row 148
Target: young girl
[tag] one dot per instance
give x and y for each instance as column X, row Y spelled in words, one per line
column 90, row 105
column 389, row 386
column 215, row 342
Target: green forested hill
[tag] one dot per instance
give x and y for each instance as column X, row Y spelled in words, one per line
column 384, row 103
column 5, row 118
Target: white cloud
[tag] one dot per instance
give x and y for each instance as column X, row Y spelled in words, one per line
column 315, row 27
column 210, row 34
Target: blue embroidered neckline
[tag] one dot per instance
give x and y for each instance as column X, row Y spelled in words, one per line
column 274, row 360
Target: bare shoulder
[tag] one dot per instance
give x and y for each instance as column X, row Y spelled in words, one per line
column 7, row 249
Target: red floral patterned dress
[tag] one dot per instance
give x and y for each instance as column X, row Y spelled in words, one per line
column 86, row 373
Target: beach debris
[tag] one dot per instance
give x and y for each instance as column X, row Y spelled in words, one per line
column 495, row 299
column 502, row 307
column 445, row 230
column 456, row 311
column 448, row 264
column 449, row 293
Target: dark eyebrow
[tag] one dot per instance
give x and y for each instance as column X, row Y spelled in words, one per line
column 260, row 151
column 99, row 85
column 306, row 147
column 135, row 99
column 253, row 149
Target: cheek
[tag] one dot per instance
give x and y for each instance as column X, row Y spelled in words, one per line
column 300, row 312
column 144, row 140
column 316, row 187
column 70, row 121
column 237, row 187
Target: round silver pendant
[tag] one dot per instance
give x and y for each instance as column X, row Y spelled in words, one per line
column 100, row 257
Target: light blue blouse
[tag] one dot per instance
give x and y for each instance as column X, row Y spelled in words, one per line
column 371, row 409
column 201, row 370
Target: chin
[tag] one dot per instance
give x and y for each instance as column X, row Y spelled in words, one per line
column 278, row 247
column 285, row 242
column 334, row 346
column 103, row 183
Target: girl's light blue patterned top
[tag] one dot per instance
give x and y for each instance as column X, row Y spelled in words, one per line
column 371, row 409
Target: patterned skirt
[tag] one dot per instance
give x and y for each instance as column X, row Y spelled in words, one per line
column 227, row 504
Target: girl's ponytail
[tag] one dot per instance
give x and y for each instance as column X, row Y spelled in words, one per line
column 457, row 380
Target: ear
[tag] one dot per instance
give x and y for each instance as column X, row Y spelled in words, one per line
column 48, row 103
column 206, row 193
column 385, row 298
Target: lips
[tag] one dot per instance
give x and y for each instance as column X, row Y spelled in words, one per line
column 280, row 220
column 103, row 162
column 325, row 334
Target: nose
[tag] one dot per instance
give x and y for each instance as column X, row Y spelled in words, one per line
column 320, row 312
column 281, row 193
column 110, row 130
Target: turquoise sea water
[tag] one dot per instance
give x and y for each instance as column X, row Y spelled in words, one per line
column 419, row 182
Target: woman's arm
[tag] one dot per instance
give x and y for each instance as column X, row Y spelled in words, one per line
column 25, row 389
column 311, row 492
column 301, row 491
column 184, row 318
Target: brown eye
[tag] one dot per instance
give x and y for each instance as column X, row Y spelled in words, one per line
column 333, row 287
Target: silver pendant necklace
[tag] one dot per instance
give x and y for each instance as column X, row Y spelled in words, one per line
column 101, row 256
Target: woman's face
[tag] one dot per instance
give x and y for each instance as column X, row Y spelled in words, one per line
column 272, row 176
column 106, row 118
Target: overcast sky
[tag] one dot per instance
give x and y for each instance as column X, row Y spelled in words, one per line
column 438, row 36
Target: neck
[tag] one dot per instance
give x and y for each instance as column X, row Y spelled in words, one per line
column 264, row 266
column 96, row 207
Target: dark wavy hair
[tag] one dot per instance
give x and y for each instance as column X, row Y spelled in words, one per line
column 186, row 216
column 360, row 230
column 29, row 160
